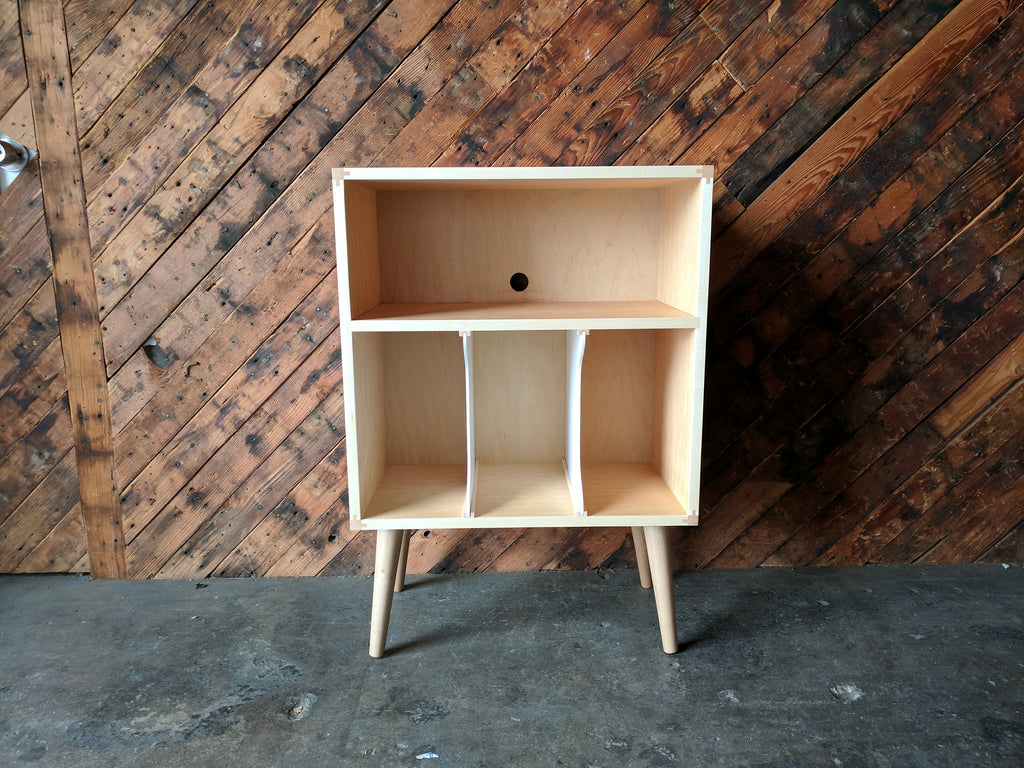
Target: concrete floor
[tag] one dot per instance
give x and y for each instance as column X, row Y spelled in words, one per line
column 893, row 666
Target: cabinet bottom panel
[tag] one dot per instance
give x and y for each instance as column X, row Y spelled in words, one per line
column 522, row 496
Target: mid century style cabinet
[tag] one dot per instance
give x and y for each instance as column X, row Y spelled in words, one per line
column 523, row 347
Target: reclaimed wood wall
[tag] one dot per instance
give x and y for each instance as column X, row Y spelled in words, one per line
column 865, row 388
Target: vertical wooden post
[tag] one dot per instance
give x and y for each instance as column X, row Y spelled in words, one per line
column 47, row 62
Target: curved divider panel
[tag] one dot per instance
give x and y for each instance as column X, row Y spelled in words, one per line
column 575, row 345
column 471, row 462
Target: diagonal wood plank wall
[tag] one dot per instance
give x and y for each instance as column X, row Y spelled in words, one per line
column 866, row 364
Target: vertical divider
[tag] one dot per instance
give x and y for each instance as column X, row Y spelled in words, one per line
column 575, row 343
column 471, row 463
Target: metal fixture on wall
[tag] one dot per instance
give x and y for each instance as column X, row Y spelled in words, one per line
column 14, row 156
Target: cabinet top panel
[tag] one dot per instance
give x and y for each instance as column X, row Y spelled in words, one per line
column 591, row 177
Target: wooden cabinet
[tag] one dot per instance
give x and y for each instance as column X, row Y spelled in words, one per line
column 522, row 347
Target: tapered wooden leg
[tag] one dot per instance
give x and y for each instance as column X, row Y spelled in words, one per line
column 661, row 575
column 403, row 558
column 642, row 563
column 385, row 568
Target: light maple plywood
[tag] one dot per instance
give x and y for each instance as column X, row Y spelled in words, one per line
column 677, row 431
column 359, row 241
column 686, row 232
column 506, row 316
column 363, row 370
column 630, row 493
column 522, row 496
column 573, row 245
column 409, row 495
column 520, row 396
column 522, row 492
column 618, row 408
column 424, row 391
column 531, row 178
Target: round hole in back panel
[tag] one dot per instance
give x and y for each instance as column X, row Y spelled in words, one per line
column 519, row 282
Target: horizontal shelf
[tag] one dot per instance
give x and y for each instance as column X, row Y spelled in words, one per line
column 523, row 496
column 510, row 316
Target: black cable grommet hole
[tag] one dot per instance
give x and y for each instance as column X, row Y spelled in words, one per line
column 518, row 282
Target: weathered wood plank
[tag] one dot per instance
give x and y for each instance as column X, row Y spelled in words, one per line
column 33, row 455
column 771, row 34
column 516, row 41
column 930, row 181
column 550, row 70
column 460, row 34
column 447, row 113
column 916, row 388
column 194, row 108
column 935, row 481
column 318, row 496
column 97, row 81
column 254, row 442
column 201, row 176
column 986, row 499
column 686, row 119
column 62, row 550
column 143, row 104
column 787, row 80
column 442, row 117
column 428, row 549
column 32, row 520
column 262, row 184
column 896, row 32
column 862, row 368
column 12, row 61
column 610, row 70
column 825, row 304
column 21, row 210
column 44, row 40
column 218, row 377
column 245, row 508
column 949, row 41
column 1009, row 549
column 621, row 119
column 231, row 401
column 27, row 401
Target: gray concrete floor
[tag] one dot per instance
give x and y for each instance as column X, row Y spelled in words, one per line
column 893, row 666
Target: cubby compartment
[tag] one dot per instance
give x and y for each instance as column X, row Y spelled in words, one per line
column 642, row 391
column 523, row 409
column 488, row 250
column 407, row 432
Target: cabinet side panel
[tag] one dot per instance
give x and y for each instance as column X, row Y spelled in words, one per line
column 678, row 402
column 618, row 396
column 361, row 248
column 685, row 245
column 520, row 396
column 424, row 387
column 364, row 418
column 572, row 245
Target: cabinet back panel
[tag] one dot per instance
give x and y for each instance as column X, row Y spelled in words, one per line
column 424, row 389
column 618, row 396
column 520, row 393
column 464, row 245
